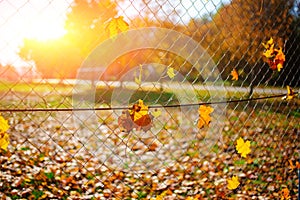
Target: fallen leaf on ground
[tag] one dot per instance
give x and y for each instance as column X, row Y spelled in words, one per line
column 285, row 194
column 233, row 183
column 243, row 147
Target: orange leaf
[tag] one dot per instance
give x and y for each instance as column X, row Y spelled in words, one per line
column 285, row 194
column 235, row 75
column 204, row 115
column 276, row 57
column 137, row 117
column 279, row 59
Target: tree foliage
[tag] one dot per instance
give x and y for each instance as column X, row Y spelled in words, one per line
column 235, row 34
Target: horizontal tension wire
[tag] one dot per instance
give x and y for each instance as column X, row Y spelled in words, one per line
column 153, row 106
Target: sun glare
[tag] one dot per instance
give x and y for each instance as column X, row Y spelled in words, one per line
column 44, row 29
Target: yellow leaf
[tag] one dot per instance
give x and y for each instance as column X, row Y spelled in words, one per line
column 138, row 80
column 4, row 141
column 269, row 44
column 235, row 75
column 233, row 183
column 3, row 125
column 279, row 67
column 290, row 93
column 170, row 72
column 139, row 110
column 156, row 113
column 117, row 25
column 243, row 147
column 269, row 53
column 204, row 117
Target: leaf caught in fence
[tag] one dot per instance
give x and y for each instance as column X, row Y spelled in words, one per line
column 235, row 75
column 269, row 44
column 233, row 183
column 125, row 122
column 138, row 80
column 137, row 117
column 243, row 147
column 275, row 57
column 204, row 115
column 170, row 72
column 138, row 110
column 116, row 25
column 290, row 93
column 156, row 113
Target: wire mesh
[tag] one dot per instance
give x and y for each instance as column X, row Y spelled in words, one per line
column 148, row 99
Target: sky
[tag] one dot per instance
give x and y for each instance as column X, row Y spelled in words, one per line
column 44, row 20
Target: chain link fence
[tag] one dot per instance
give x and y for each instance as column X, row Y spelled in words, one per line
column 150, row 99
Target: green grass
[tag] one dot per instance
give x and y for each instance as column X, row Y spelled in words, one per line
column 24, row 87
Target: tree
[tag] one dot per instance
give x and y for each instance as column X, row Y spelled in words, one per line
column 236, row 32
column 85, row 25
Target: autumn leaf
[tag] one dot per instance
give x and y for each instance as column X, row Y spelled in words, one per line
column 170, row 72
column 285, row 194
column 279, row 59
column 4, row 141
column 138, row 80
column 269, row 44
column 275, row 57
column 116, row 25
column 125, row 122
column 290, row 93
column 156, row 113
column 204, row 115
column 233, row 183
column 293, row 167
column 138, row 110
column 136, row 117
column 3, row 125
column 243, row 147
column 235, row 75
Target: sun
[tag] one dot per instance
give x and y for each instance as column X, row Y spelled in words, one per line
column 45, row 28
